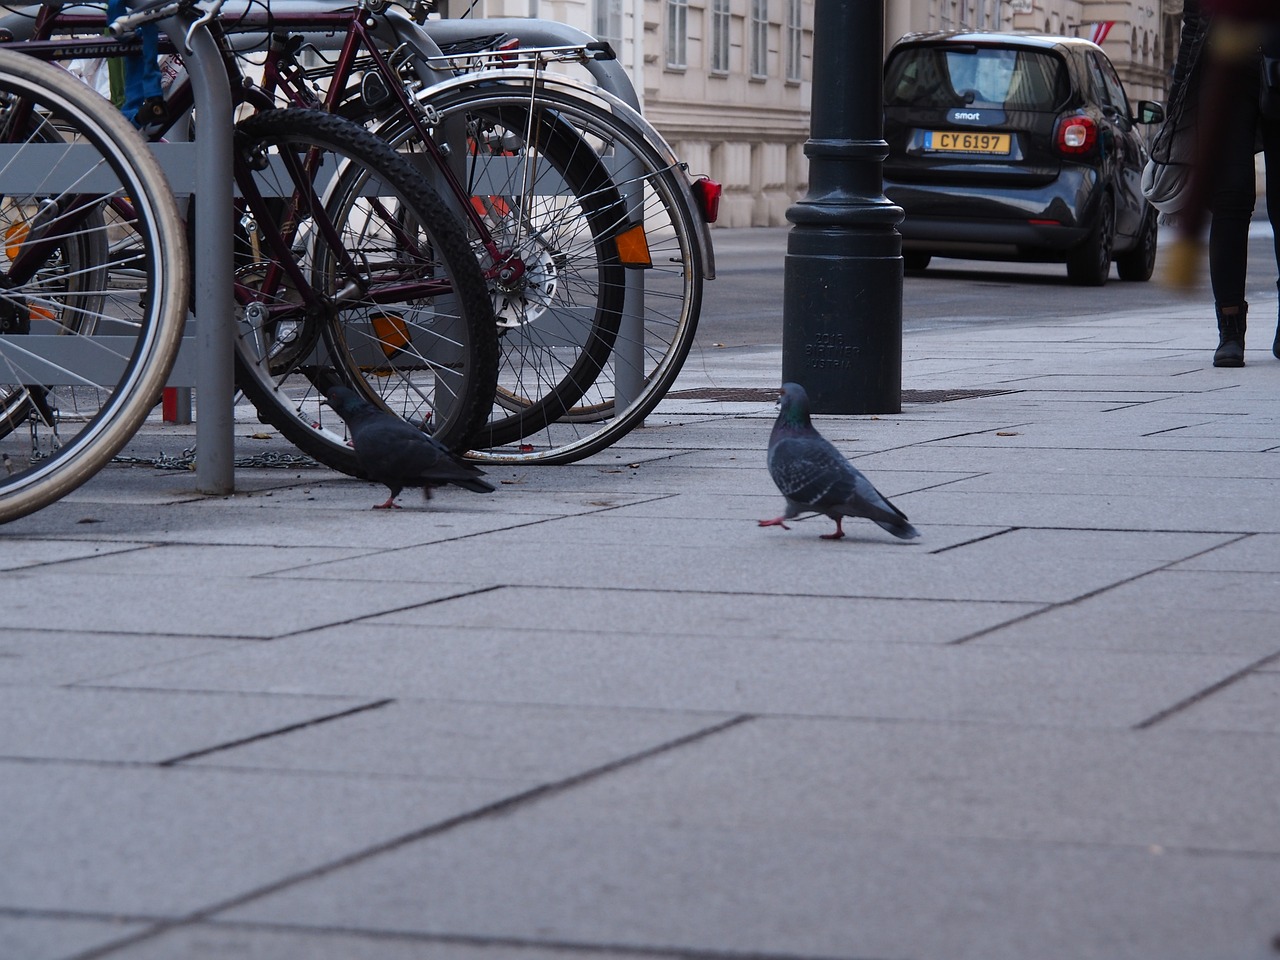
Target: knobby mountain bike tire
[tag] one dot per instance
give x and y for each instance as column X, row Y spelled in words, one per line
column 403, row 315
column 592, row 331
column 93, row 282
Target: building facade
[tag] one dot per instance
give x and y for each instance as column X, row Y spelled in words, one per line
column 729, row 82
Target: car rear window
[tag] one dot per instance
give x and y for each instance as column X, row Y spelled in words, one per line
column 1015, row 79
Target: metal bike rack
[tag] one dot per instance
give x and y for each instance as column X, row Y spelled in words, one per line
column 203, row 171
column 209, row 179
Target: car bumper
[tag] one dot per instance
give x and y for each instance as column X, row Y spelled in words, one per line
column 1042, row 222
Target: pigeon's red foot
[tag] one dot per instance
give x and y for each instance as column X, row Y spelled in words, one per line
column 775, row 522
column 838, row 535
column 389, row 505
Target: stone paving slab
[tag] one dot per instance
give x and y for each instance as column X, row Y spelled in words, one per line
column 738, row 557
column 256, row 942
column 1044, row 686
column 62, row 657
column 163, row 842
column 797, row 892
column 1165, row 787
column 1166, row 611
column 189, row 604
column 1251, row 705
column 452, row 741
column 80, row 723
column 58, row 936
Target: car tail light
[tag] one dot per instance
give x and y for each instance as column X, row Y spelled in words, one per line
column 1076, row 135
column 707, row 193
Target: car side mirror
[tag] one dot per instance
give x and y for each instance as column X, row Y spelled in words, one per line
column 1150, row 112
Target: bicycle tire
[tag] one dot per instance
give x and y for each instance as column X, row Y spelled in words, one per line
column 559, row 288
column 431, row 362
column 128, row 331
column 654, row 337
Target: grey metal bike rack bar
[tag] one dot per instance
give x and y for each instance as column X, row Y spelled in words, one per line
column 212, row 257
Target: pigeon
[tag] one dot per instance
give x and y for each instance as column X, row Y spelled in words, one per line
column 395, row 453
column 814, row 476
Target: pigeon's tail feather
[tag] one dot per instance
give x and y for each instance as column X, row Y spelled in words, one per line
column 900, row 528
column 475, row 485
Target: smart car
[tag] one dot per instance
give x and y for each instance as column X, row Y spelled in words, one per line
column 1017, row 147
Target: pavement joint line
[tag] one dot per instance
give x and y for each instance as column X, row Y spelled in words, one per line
column 495, row 808
column 526, row 943
column 52, row 563
column 277, row 732
column 1088, row 595
column 477, row 591
column 971, row 542
column 1209, row 691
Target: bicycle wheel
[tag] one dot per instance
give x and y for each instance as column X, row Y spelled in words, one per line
column 351, row 270
column 551, row 259
column 91, row 312
column 597, row 284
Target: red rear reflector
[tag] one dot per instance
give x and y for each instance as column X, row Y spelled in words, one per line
column 1044, row 223
column 707, row 192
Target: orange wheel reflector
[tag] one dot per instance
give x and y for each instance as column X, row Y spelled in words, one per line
column 633, row 247
column 14, row 237
column 392, row 332
column 41, row 313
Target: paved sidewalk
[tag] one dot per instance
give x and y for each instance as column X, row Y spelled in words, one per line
column 601, row 714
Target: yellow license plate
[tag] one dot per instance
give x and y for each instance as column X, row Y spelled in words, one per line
column 965, row 141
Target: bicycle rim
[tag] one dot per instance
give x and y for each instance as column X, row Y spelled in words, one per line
column 559, row 398
column 91, row 307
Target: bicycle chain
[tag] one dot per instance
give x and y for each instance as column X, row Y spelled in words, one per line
column 186, row 460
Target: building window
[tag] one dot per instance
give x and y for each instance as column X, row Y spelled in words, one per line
column 719, row 36
column 609, row 23
column 793, row 33
column 678, row 33
column 759, row 38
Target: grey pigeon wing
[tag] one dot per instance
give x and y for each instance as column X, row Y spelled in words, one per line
column 810, row 471
column 869, row 502
column 389, row 447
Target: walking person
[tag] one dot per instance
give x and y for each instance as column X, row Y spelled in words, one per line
column 1228, row 70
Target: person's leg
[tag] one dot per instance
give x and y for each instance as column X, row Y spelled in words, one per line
column 1231, row 204
column 1271, row 160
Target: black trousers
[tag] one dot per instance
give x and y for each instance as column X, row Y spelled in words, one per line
column 1234, row 192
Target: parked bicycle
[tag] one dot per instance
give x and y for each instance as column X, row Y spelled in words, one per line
column 342, row 242
column 585, row 225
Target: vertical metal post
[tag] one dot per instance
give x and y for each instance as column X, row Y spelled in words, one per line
column 842, row 282
column 214, row 308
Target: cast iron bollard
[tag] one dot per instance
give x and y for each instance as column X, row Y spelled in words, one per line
column 842, row 283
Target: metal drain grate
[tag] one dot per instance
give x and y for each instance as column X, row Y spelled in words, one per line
column 942, row 396
column 770, row 394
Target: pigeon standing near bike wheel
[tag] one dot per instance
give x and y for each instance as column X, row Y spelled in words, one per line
column 815, row 477
column 397, row 454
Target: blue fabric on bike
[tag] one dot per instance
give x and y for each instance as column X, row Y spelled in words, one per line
column 141, row 71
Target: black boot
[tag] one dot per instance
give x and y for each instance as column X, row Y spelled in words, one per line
column 1231, row 324
column 1275, row 344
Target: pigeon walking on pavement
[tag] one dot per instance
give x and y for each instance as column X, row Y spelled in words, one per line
column 815, row 477
column 393, row 452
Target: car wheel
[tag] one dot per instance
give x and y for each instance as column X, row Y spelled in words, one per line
column 1089, row 264
column 1140, row 262
column 915, row 261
